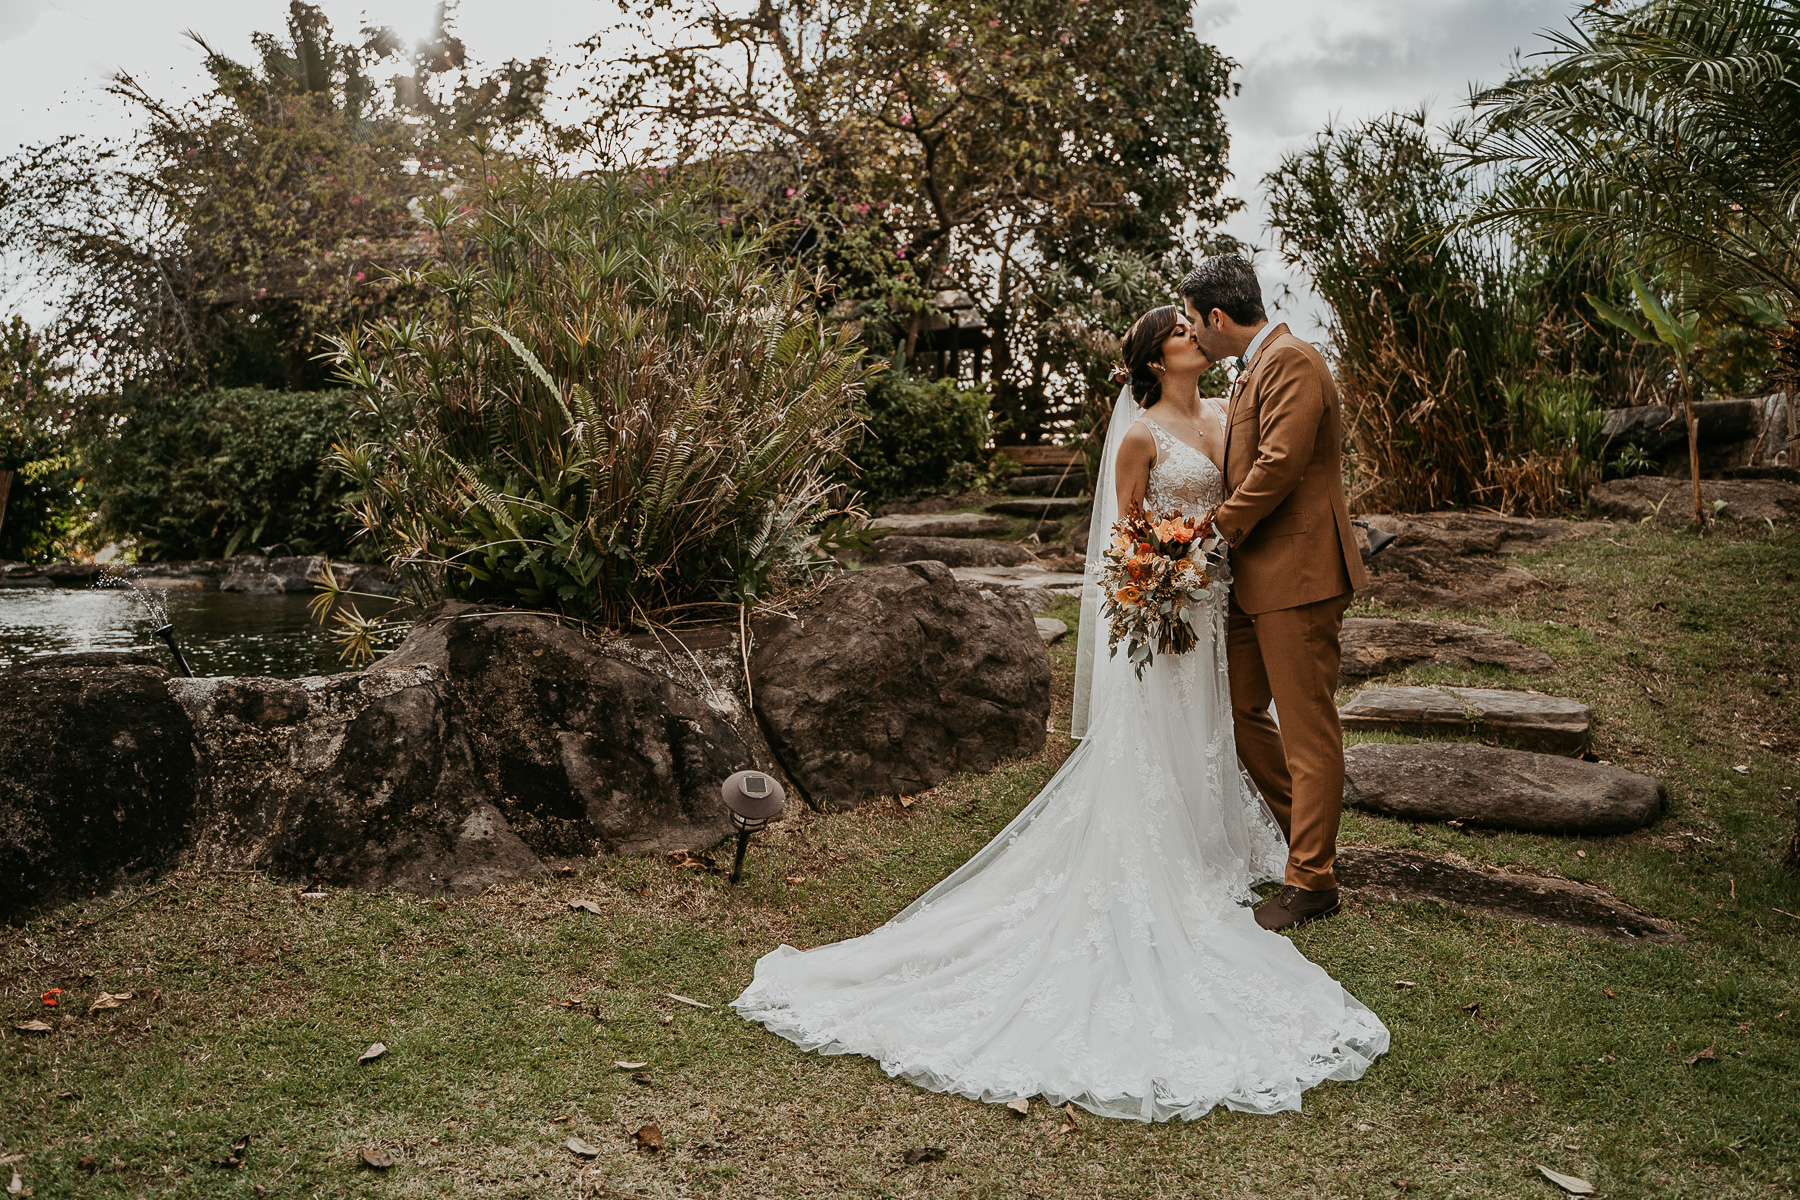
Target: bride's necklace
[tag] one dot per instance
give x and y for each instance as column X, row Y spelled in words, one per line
column 1199, row 434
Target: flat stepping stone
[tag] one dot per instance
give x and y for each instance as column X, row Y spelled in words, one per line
column 944, row 525
column 1050, row 629
column 1389, row 874
column 1462, row 533
column 1377, row 645
column 1529, row 719
column 1671, row 500
column 1072, row 484
column 1049, row 506
column 1497, row 788
column 895, row 549
column 1436, row 578
column 1035, row 587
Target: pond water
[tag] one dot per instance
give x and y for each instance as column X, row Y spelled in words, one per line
column 221, row 633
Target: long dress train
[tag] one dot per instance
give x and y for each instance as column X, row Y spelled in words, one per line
column 1099, row 949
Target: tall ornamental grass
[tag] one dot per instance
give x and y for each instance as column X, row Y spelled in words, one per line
column 1465, row 379
column 615, row 407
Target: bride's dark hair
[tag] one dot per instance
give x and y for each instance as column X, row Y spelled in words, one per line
column 1143, row 346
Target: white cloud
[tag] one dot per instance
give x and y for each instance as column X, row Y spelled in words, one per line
column 1307, row 62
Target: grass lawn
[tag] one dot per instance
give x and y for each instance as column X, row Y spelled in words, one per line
column 505, row 1014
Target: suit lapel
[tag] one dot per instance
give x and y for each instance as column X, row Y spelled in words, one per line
column 1241, row 388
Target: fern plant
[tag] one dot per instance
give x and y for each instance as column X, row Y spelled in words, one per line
column 617, row 407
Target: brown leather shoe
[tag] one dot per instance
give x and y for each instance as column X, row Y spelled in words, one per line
column 1292, row 907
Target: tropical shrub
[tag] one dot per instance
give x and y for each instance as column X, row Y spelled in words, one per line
column 617, row 408
column 214, row 473
column 42, row 509
column 1468, row 374
column 920, row 436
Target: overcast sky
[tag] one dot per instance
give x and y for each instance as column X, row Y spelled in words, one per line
column 1304, row 62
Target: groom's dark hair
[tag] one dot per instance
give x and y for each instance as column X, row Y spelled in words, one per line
column 1226, row 282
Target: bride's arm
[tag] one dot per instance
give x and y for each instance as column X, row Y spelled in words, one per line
column 1131, row 470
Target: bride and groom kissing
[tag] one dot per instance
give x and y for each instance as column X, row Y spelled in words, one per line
column 1101, row 950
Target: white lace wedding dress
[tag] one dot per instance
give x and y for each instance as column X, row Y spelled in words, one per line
column 1099, row 949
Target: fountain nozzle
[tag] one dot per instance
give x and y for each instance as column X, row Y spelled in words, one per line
column 167, row 634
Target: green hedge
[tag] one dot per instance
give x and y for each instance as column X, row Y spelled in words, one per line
column 223, row 472
column 922, row 436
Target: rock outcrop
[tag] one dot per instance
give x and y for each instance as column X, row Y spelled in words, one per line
column 1378, row 645
column 487, row 743
column 1496, row 788
column 893, row 679
column 1529, row 719
column 98, row 775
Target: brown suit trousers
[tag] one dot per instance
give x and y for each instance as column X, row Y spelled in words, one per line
column 1295, row 564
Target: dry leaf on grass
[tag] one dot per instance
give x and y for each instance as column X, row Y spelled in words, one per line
column 1068, row 1125
column 1404, row 983
column 585, row 906
column 687, row 860
column 17, row 1186
column 49, row 997
column 1568, row 1183
column 796, row 879
column 1705, row 1055
column 31, row 1026
column 109, row 1000
column 907, row 801
column 689, row 1000
column 377, row 1159
column 648, row 1138
column 1020, row 1105
column 571, row 1002
column 666, row 1018
column 630, row 1066
column 375, row 1051
column 1474, row 1010
column 924, row 1154
column 642, row 1077
column 235, row 1160
column 581, row 1149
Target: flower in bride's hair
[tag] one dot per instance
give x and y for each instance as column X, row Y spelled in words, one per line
column 1121, row 376
column 1129, row 594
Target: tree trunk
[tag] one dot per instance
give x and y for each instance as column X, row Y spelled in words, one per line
column 1693, row 427
column 6, row 479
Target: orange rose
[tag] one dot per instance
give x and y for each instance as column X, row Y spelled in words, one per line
column 1175, row 531
column 1129, row 595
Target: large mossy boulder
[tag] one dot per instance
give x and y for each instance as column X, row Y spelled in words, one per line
column 892, row 680
column 97, row 777
column 487, row 743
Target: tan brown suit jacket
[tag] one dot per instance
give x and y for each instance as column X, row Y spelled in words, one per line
column 1286, row 517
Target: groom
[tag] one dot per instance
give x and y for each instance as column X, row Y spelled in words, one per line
column 1294, row 565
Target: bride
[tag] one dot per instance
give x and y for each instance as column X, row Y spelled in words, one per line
column 1099, row 950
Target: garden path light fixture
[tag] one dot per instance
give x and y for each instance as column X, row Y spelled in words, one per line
column 753, row 799
column 1379, row 539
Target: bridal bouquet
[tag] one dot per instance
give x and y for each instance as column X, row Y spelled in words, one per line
column 1154, row 572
